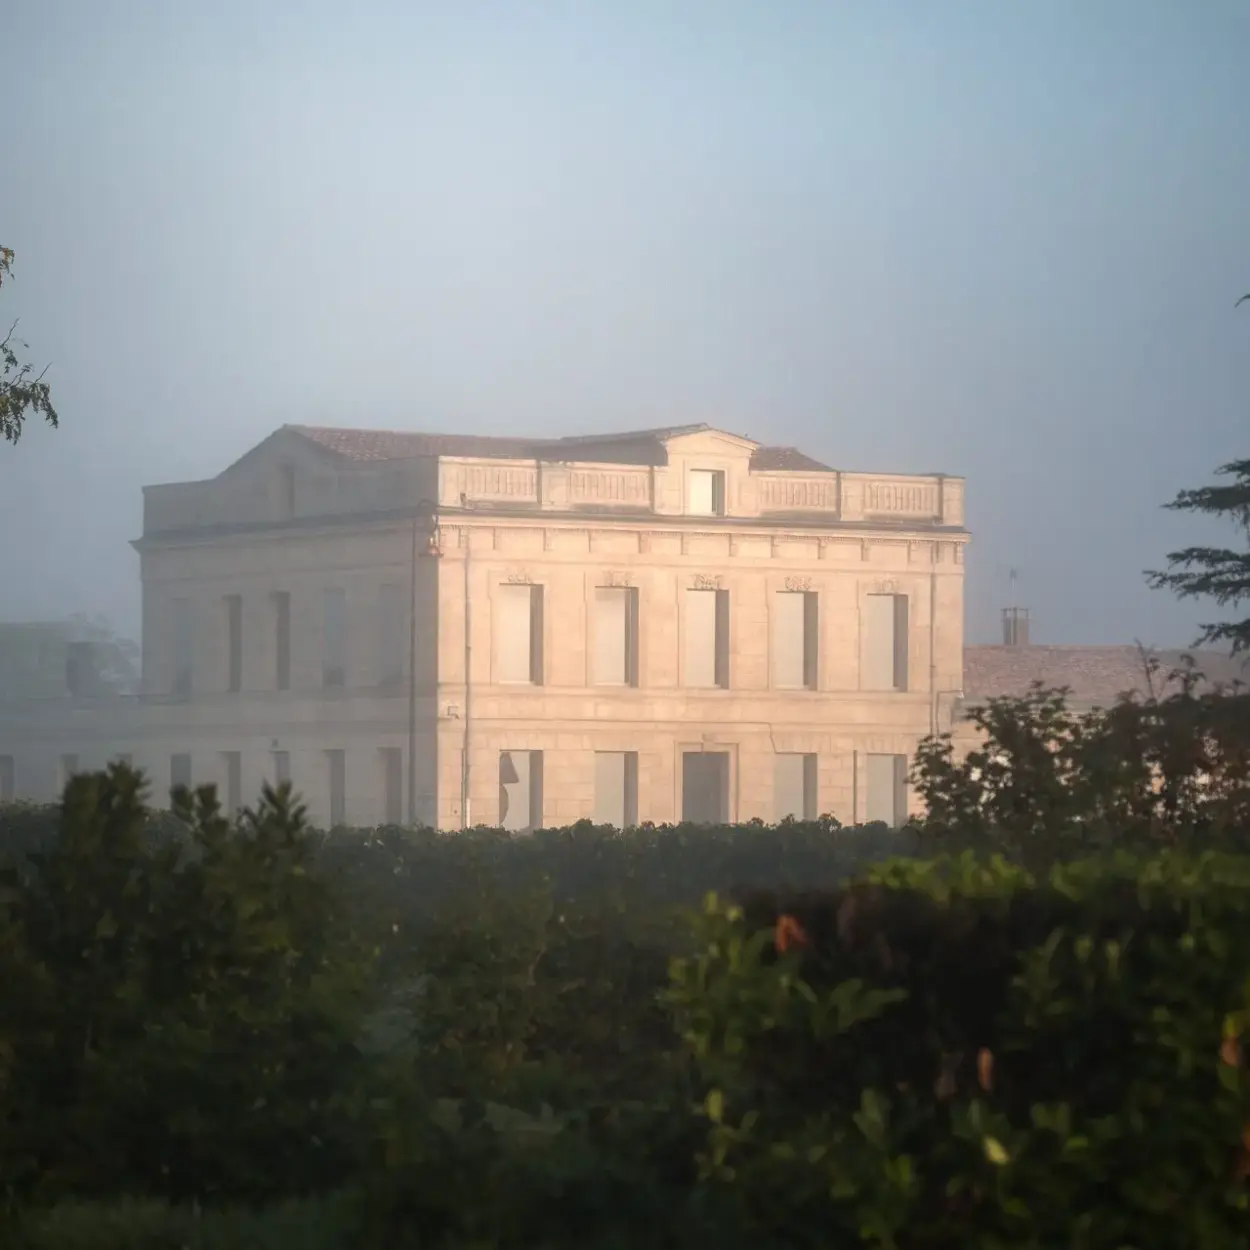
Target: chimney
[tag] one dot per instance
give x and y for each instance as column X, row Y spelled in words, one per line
column 1015, row 627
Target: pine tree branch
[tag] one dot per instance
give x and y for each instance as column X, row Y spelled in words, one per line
column 1231, row 500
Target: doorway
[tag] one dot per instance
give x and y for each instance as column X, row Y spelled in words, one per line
column 705, row 787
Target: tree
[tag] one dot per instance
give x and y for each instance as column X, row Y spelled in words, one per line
column 1217, row 573
column 23, row 393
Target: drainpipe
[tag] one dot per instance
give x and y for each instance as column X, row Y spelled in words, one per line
column 933, row 563
column 933, row 668
column 412, row 680
column 466, row 802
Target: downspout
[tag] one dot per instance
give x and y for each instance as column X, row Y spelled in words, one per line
column 466, row 802
column 933, row 559
column 412, row 681
column 933, row 668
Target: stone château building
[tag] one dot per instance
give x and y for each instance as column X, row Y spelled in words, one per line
column 453, row 629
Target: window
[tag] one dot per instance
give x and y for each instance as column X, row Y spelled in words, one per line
column 234, row 643
column 518, row 612
column 521, row 790
column 232, row 767
column 796, row 630
column 616, row 636
column 393, row 785
column 794, row 787
column 282, row 639
column 69, row 768
column 336, row 767
column 80, row 671
column 392, row 612
column 705, row 787
column 8, row 779
column 334, row 639
column 887, row 789
column 616, row 788
column 885, row 638
column 707, row 638
column 281, row 762
column 179, row 770
column 182, row 648
column 705, row 492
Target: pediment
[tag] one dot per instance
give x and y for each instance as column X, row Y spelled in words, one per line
column 710, row 442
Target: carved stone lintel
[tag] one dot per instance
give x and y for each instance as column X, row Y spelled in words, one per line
column 798, row 583
column 704, row 581
column 884, row 586
column 519, row 577
column 616, row 577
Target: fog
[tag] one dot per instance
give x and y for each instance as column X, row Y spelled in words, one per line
column 995, row 240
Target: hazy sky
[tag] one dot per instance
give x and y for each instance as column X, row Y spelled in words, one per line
column 995, row 239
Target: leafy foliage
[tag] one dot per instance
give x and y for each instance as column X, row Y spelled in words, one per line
column 1045, row 783
column 1031, row 1038
column 970, row 1063
column 23, row 392
column 185, row 1009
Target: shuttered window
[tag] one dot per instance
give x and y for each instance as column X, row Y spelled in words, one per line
column 616, row 788
column 886, row 782
column 885, row 639
column 794, row 787
column 518, row 634
column 706, row 628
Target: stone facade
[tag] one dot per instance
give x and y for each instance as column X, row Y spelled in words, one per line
column 634, row 627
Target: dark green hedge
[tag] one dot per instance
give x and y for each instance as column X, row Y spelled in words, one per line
column 559, row 1041
column 955, row 1055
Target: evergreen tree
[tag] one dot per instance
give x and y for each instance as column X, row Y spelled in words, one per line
column 1218, row 573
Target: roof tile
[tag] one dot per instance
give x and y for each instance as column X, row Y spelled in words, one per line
column 1096, row 676
column 630, row 447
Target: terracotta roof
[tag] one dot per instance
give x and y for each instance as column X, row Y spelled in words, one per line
column 785, row 460
column 629, row 447
column 372, row 445
column 1096, row 676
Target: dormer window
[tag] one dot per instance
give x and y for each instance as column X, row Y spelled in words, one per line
column 705, row 492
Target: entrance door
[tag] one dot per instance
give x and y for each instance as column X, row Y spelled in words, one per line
column 705, row 787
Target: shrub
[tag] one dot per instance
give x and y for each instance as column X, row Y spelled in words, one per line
column 183, row 1012
column 128, row 1225
column 1045, row 783
column 972, row 1058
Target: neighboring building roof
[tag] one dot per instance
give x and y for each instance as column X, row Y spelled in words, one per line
column 1096, row 676
column 628, row 447
column 786, row 460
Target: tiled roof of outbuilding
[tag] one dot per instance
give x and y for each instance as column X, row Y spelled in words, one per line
column 1096, row 676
